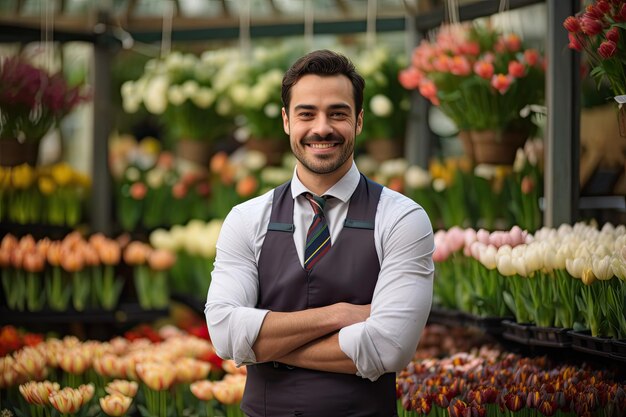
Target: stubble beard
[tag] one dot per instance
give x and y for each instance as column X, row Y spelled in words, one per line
column 322, row 164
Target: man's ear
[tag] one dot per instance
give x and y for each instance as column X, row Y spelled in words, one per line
column 359, row 122
column 285, row 121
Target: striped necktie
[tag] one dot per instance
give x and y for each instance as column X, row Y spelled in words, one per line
column 318, row 236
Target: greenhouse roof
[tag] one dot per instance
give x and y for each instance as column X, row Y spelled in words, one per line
column 25, row 20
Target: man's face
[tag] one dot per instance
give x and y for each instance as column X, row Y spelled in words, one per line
column 321, row 123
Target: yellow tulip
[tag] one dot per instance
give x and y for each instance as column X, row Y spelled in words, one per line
column 157, row 376
column 189, row 370
column 62, row 173
column 74, row 361
column 203, row 390
column 46, row 185
column 115, row 405
column 31, row 363
column 66, row 401
column 38, row 392
column 123, row 387
column 588, row 277
column 5, row 177
column 22, row 176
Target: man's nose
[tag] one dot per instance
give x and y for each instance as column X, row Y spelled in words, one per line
column 322, row 126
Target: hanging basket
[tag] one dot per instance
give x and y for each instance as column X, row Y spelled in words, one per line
column 496, row 147
column 14, row 153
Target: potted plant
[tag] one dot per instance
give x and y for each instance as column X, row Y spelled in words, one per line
column 32, row 101
column 485, row 81
column 385, row 103
column 188, row 92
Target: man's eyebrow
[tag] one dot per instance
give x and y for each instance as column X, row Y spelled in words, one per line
column 332, row 106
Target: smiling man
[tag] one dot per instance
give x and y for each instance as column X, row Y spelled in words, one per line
column 323, row 285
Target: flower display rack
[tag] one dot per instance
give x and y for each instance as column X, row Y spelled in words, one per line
column 550, row 337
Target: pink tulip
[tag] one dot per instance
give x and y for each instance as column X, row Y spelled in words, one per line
column 442, row 252
column 410, row 78
column 484, row 69
column 517, row 69
column 483, row 236
column 460, row 66
column 455, row 238
column 428, row 89
column 501, row 82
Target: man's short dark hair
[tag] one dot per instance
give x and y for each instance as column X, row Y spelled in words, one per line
column 323, row 63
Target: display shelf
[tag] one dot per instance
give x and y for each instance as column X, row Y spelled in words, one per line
column 556, row 337
column 125, row 313
column 491, row 325
column 446, row 317
column 583, row 341
column 516, row 332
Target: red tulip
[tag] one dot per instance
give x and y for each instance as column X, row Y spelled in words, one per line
column 607, row 49
column 574, row 42
column 590, row 25
column 613, row 34
column 484, row 69
column 571, row 24
column 517, row 69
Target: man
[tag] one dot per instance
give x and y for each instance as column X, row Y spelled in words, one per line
column 325, row 318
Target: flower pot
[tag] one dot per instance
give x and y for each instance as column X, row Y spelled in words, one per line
column 468, row 148
column 496, row 147
column 272, row 148
column 14, row 153
column 383, row 149
column 196, row 151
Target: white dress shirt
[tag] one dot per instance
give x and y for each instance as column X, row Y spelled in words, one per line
column 403, row 237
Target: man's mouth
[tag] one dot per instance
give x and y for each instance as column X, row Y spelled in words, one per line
column 321, row 145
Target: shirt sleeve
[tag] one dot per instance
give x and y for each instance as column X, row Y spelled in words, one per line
column 232, row 320
column 387, row 340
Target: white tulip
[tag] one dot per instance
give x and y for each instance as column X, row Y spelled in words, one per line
column 190, row 88
column 161, row 239
column 155, row 95
column 486, row 171
column 393, row 167
column 381, row 106
column 178, row 234
column 533, row 258
column 175, row 95
column 520, row 160
column 505, row 265
column 254, row 160
column 618, row 266
column 224, row 106
column 275, row 175
column 155, row 177
column 601, row 268
column 203, row 98
column 576, row 266
column 488, row 256
column 417, row 177
column 239, row 94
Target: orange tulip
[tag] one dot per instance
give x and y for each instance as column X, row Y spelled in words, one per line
column 136, row 253
column 33, row 261
column 218, row 162
column 230, row 367
column 30, row 363
column 115, row 405
column 74, row 361
column 109, row 252
column 247, row 186
column 123, row 387
column 161, row 259
column 189, row 370
column 66, row 401
column 27, row 242
column 109, row 365
column 157, row 376
column 72, row 260
column 38, row 392
column 54, row 253
column 203, row 390
column 8, row 375
column 9, row 242
column 90, row 255
column 87, row 391
column 5, row 257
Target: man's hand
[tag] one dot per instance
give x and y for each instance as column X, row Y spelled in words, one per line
column 282, row 333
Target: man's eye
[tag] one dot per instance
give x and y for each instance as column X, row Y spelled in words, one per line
column 338, row 115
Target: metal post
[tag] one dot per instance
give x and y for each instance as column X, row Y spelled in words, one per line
column 562, row 148
column 102, row 197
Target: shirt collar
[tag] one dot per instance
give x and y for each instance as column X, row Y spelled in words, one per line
column 343, row 189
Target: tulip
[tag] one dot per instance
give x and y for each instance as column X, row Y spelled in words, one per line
column 203, row 390
column 66, row 401
column 588, row 277
column 576, row 266
column 115, row 405
column 30, row 363
column 618, row 266
column 87, row 391
column 157, row 376
column 8, row 375
column 189, row 370
column 484, row 69
column 601, row 268
column 38, row 392
column 123, row 387
column 161, row 259
column 108, row 365
column 504, row 263
column 136, row 253
column 225, row 393
column 501, row 82
column 74, row 361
